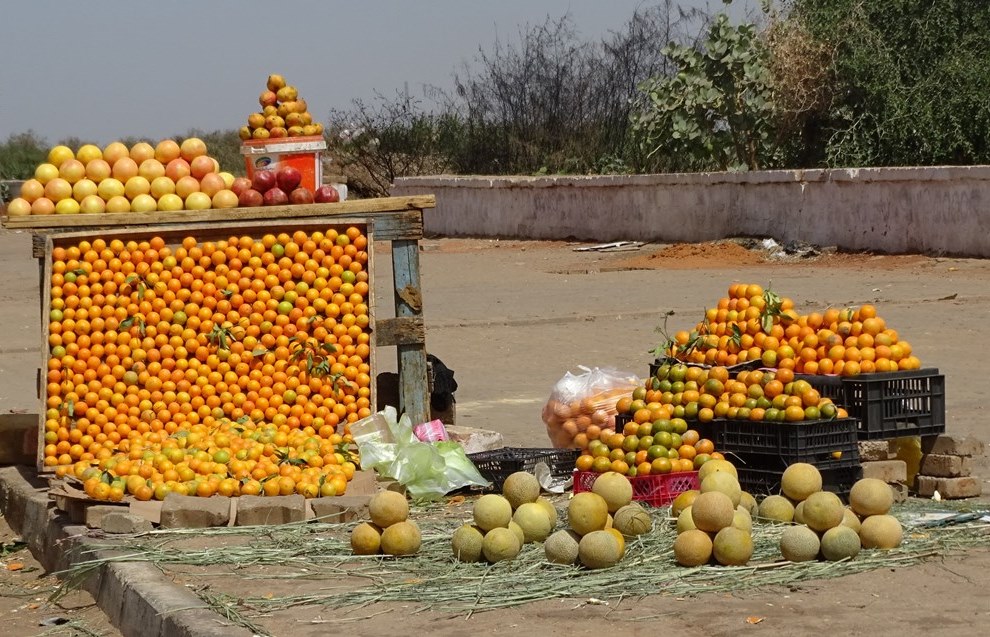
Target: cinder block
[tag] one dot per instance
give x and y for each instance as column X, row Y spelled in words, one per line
column 871, row 450
column 944, row 466
column 253, row 510
column 95, row 513
column 952, row 445
column 948, row 488
column 190, row 512
column 120, row 522
column 887, row 470
column 343, row 508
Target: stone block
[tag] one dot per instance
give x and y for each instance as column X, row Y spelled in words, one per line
column 887, row 470
column 943, row 466
column 121, row 522
column 948, row 488
column 342, row 508
column 18, row 439
column 900, row 491
column 191, row 512
column 253, row 510
column 952, row 445
column 95, row 513
column 871, row 450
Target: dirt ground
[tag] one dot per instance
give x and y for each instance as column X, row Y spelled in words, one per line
column 511, row 317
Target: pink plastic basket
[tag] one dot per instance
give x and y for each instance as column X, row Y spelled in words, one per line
column 655, row 489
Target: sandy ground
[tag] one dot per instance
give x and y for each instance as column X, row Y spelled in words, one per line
column 511, row 317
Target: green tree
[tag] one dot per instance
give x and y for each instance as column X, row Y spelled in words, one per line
column 716, row 112
column 912, row 81
column 21, row 154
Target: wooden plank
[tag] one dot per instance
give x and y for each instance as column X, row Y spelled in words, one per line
column 350, row 207
column 404, row 225
column 414, row 397
column 371, row 232
column 407, row 330
column 45, row 263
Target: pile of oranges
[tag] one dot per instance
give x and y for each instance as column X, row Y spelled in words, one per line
column 751, row 323
column 231, row 366
column 648, row 448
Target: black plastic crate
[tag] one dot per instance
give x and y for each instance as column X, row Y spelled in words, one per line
column 763, row 482
column 889, row 404
column 787, row 439
column 499, row 464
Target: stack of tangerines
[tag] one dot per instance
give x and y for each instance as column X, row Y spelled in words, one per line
column 230, row 366
column 751, row 323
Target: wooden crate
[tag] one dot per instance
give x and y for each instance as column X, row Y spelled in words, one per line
column 396, row 220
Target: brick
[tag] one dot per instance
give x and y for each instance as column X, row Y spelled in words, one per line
column 900, row 491
column 120, row 522
column 948, row 488
column 870, row 450
column 952, row 445
column 255, row 510
column 342, row 508
column 95, row 513
column 191, row 512
column 943, row 466
column 886, row 470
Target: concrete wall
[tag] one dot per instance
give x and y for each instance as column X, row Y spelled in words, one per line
column 937, row 210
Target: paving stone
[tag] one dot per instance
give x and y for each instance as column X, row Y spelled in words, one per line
column 886, row 470
column 870, row 450
column 256, row 510
column 191, row 512
column 342, row 508
column 121, row 522
column 948, row 488
column 95, row 513
column 952, row 445
column 944, row 466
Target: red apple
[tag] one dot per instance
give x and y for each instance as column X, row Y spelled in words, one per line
column 240, row 185
column 288, row 178
column 250, row 198
column 276, row 197
column 301, row 195
column 326, row 194
column 263, row 180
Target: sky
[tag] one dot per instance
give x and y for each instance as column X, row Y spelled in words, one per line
column 101, row 70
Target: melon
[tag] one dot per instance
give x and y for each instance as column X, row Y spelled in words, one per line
column 401, row 538
column 684, row 521
column 732, row 547
column 881, row 532
column 683, row 501
column 518, row 530
column 549, row 508
column 500, row 544
column 633, row 520
column 366, row 539
column 492, row 511
column 562, row 547
column 776, row 508
column 717, row 465
column 388, row 507
column 798, row 543
column 800, row 480
column 587, row 512
column 725, row 483
column 822, row 511
column 693, row 548
column 747, row 500
column 712, row 511
column 534, row 521
column 850, row 519
column 520, row 488
column 799, row 513
column 871, row 496
column 599, row 549
column 840, row 542
column 615, row 488
column 466, row 542
column 742, row 520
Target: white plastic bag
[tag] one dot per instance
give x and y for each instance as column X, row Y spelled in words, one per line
column 583, row 404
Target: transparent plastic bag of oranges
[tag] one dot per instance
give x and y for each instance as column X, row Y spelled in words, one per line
column 583, row 401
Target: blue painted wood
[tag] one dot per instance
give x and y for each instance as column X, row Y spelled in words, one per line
column 414, row 398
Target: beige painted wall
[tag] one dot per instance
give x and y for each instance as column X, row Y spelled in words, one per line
column 937, row 210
